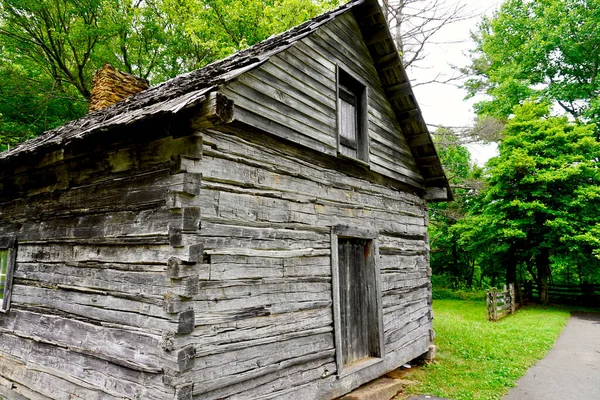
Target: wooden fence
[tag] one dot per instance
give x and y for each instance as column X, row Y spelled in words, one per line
column 500, row 303
column 583, row 295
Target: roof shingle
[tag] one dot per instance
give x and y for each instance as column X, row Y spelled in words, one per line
column 178, row 93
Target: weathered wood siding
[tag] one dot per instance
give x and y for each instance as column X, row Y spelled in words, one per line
column 263, row 312
column 294, row 97
column 94, row 233
column 200, row 266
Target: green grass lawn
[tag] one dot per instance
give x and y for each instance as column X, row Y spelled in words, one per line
column 477, row 359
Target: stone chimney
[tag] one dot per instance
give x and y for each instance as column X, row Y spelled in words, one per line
column 110, row 86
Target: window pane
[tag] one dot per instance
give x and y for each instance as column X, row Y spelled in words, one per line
column 348, row 129
column 3, row 270
column 348, row 120
column 352, row 112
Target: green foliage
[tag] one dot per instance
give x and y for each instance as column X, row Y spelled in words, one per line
column 541, row 49
column 217, row 28
column 536, row 214
column 476, row 358
column 458, row 294
column 30, row 109
column 449, row 259
column 55, row 45
column 541, row 188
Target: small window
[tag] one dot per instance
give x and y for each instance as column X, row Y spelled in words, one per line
column 352, row 118
column 7, row 261
column 357, row 300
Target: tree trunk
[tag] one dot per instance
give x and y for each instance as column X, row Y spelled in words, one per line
column 511, row 271
column 579, row 272
column 455, row 269
column 543, row 268
column 471, row 274
column 530, row 269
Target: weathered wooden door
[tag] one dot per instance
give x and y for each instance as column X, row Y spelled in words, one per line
column 354, row 298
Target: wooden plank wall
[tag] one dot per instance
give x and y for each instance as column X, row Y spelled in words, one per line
column 294, row 97
column 88, row 317
column 118, row 294
column 263, row 318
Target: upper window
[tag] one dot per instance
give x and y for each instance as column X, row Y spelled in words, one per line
column 7, row 263
column 353, row 138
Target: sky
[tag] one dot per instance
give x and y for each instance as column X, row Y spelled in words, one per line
column 444, row 104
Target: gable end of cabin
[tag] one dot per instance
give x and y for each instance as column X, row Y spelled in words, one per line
column 263, row 236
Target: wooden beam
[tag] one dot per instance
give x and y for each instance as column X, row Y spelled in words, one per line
column 387, row 58
column 384, row 66
column 376, row 34
column 398, row 91
column 366, row 10
column 428, row 161
column 408, row 115
column 216, row 110
column 421, row 139
column 435, row 181
column 436, row 193
column 387, row 61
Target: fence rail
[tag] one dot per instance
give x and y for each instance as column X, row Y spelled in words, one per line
column 584, row 295
column 500, row 303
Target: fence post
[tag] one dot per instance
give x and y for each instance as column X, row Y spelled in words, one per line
column 488, row 302
column 511, row 294
column 495, row 304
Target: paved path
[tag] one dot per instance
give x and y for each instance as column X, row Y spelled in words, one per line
column 571, row 370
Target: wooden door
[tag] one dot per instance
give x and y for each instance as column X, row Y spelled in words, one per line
column 354, row 298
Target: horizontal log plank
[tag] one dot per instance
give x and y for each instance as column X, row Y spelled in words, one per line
column 109, row 344
column 214, row 371
column 276, row 381
column 244, row 151
column 96, row 308
column 61, row 253
column 135, row 192
column 85, row 371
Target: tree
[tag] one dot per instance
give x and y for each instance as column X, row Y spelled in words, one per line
column 31, row 108
column 547, row 50
column 55, row 45
column 57, row 35
column 449, row 258
column 542, row 193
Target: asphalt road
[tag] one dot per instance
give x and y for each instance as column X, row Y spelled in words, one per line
column 571, row 370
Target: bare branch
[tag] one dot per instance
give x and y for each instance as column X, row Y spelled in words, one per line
column 415, row 24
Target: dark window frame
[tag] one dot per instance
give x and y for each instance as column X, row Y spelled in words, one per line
column 353, row 91
column 377, row 346
column 9, row 244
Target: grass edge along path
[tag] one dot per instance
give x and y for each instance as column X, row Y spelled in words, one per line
column 478, row 359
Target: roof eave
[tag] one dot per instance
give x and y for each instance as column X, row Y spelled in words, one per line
column 393, row 77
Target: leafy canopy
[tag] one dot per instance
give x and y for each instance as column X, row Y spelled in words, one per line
column 542, row 190
column 50, row 48
column 547, row 50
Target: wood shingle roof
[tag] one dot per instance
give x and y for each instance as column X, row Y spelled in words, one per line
column 191, row 89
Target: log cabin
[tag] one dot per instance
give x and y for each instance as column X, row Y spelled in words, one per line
column 255, row 229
